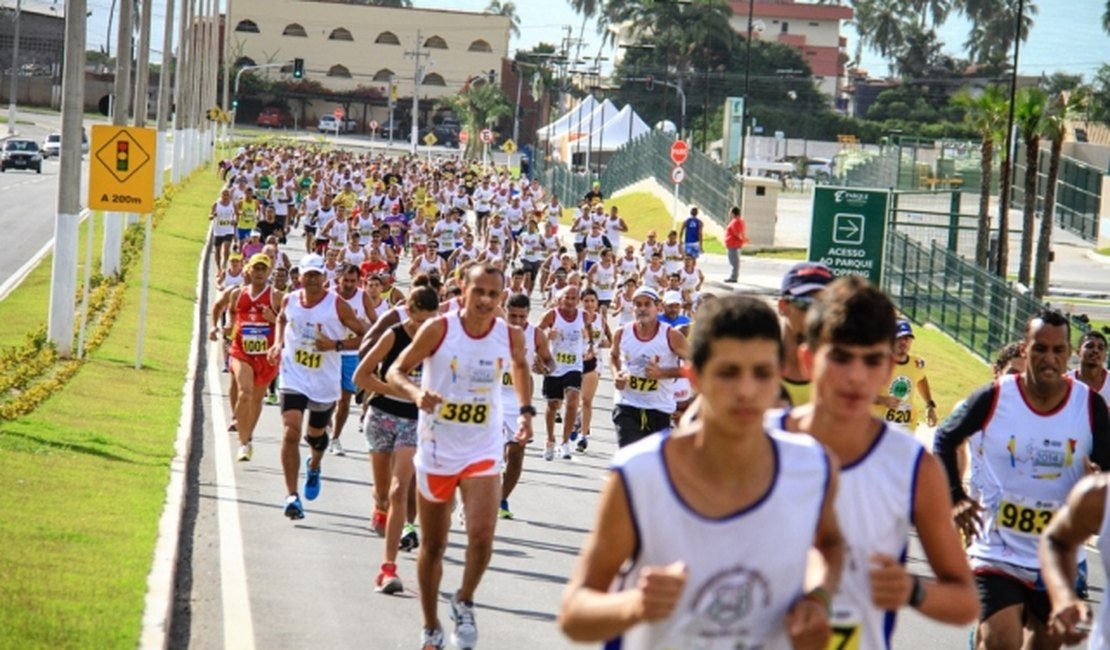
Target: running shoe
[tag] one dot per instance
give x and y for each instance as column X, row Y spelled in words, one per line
column 504, row 512
column 245, row 453
column 549, row 453
column 558, row 417
column 564, row 450
column 583, row 442
column 336, row 448
column 432, row 640
column 234, row 426
column 387, row 581
column 293, row 507
column 311, row 480
column 574, row 434
column 272, row 399
column 377, row 522
column 410, row 540
column 465, row 635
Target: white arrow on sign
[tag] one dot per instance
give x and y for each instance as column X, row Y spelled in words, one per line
column 678, row 174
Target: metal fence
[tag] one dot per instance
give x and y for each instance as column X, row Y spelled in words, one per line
column 973, row 306
column 1078, row 192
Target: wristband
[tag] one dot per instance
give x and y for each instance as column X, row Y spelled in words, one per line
column 930, row 404
column 528, row 409
column 917, row 596
column 820, row 595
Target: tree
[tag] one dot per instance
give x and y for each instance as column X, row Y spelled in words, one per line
column 508, row 10
column 987, row 113
column 992, row 30
column 1030, row 107
column 1063, row 108
column 478, row 106
column 1106, row 18
column 1098, row 106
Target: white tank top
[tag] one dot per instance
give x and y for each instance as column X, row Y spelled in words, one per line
column 628, row 268
column 508, row 391
column 359, row 308
column 338, row 233
column 531, row 247
column 636, row 355
column 745, row 570
column 1099, row 638
column 311, row 208
column 1103, row 390
column 605, row 281
column 874, row 504
column 323, row 216
column 355, row 257
column 425, row 265
column 233, row 280
column 568, row 343
column 672, row 257
column 466, row 371
column 304, row 369
column 365, row 225
column 1023, row 466
column 613, row 232
column 627, row 310
column 224, row 223
column 655, row 279
column 689, row 280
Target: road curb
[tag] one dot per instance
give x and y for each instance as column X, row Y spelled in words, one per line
column 159, row 601
column 17, row 278
column 1101, row 259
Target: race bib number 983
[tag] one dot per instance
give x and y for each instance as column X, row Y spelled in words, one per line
column 1023, row 519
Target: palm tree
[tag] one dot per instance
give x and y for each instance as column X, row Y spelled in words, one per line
column 887, row 33
column 992, row 31
column 1030, row 107
column 478, row 106
column 507, row 9
column 1064, row 107
column 1106, row 18
column 987, row 114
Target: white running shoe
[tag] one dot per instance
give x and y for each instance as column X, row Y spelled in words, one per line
column 432, row 640
column 549, row 453
column 245, row 453
column 465, row 635
column 336, row 448
column 564, row 450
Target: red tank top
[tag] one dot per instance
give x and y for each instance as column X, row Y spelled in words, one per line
column 253, row 333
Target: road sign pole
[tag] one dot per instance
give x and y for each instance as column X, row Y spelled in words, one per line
column 674, row 207
column 143, row 293
column 63, row 277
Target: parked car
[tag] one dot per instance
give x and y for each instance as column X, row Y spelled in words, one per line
column 445, row 136
column 52, row 145
column 21, row 153
column 331, row 124
column 274, row 117
column 397, row 129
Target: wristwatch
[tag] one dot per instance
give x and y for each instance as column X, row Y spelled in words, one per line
column 528, row 409
column 930, row 404
column 339, row 345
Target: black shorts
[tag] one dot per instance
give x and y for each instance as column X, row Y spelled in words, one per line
column 319, row 413
column 589, row 365
column 555, row 388
column 998, row 591
column 225, row 239
column 603, row 305
column 446, row 255
column 579, row 246
column 634, row 424
column 310, row 230
column 531, row 268
column 481, row 215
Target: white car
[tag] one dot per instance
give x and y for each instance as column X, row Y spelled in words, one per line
column 52, row 145
column 332, row 124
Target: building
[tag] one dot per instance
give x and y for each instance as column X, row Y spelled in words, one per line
column 41, row 42
column 345, row 46
column 812, row 29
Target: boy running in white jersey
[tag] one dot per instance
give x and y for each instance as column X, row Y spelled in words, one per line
column 722, row 535
column 460, row 443
column 888, row 481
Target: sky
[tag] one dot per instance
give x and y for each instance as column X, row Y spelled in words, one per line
column 1067, row 35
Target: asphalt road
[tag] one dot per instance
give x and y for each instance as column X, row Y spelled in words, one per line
column 251, row 578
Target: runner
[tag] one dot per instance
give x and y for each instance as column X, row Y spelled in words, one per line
column 693, row 235
column 1092, row 363
column 391, row 435
column 254, row 310
column 569, row 330
column 888, row 481
column 223, row 217
column 801, row 285
column 1037, row 435
column 896, row 403
column 310, row 335
column 704, row 538
column 460, row 442
column 645, row 353
column 348, row 290
column 538, row 357
column 600, row 339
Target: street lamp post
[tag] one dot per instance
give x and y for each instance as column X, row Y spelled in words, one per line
column 13, row 81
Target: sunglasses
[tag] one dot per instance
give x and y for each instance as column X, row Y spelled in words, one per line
column 800, row 302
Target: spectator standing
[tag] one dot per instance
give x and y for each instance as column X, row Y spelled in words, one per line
column 736, row 237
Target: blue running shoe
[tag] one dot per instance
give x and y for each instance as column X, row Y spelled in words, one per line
column 293, row 508
column 311, row 480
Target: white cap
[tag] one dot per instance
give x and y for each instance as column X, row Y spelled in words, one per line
column 311, row 263
column 672, row 298
column 646, row 292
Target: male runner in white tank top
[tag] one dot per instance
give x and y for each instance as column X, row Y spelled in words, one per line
column 1035, row 436
column 888, row 481
column 461, row 439
column 711, row 537
column 348, row 290
column 1092, row 363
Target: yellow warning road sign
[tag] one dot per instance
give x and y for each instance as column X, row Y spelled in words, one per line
column 430, row 139
column 121, row 169
column 509, row 146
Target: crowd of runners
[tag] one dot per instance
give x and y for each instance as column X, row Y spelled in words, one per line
column 766, row 484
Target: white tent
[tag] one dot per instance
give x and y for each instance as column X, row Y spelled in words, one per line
column 559, row 127
column 590, row 123
column 622, row 127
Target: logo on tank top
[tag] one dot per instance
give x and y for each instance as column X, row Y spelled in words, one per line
column 901, row 387
column 729, row 602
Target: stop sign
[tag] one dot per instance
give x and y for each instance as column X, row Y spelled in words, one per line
column 464, row 136
column 339, row 113
column 679, row 151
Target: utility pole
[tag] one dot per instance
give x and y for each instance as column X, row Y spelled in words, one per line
column 63, row 283
column 225, row 71
column 13, row 80
column 418, row 77
column 164, row 98
column 180, row 81
column 113, row 221
column 142, row 67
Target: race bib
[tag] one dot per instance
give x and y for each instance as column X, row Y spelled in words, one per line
column 506, row 379
column 566, row 358
column 308, row 358
column 466, row 413
column 255, row 339
column 642, row 384
column 845, row 637
column 899, row 415
column 1025, row 519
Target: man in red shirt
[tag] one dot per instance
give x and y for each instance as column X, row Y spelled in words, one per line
column 736, row 236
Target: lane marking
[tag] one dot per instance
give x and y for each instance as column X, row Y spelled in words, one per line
column 22, row 272
column 238, row 624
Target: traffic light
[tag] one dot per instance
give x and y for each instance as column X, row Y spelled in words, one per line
column 122, row 155
column 234, row 104
column 492, row 76
column 298, row 68
column 649, row 82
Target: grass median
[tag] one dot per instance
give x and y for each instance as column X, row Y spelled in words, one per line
column 86, row 471
column 643, row 211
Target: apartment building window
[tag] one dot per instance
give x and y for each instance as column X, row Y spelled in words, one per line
column 248, row 26
column 295, row 29
column 434, row 79
column 785, row 27
column 479, row 46
column 339, row 71
column 387, row 38
column 341, row 34
column 383, row 75
column 436, row 43
column 244, row 61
